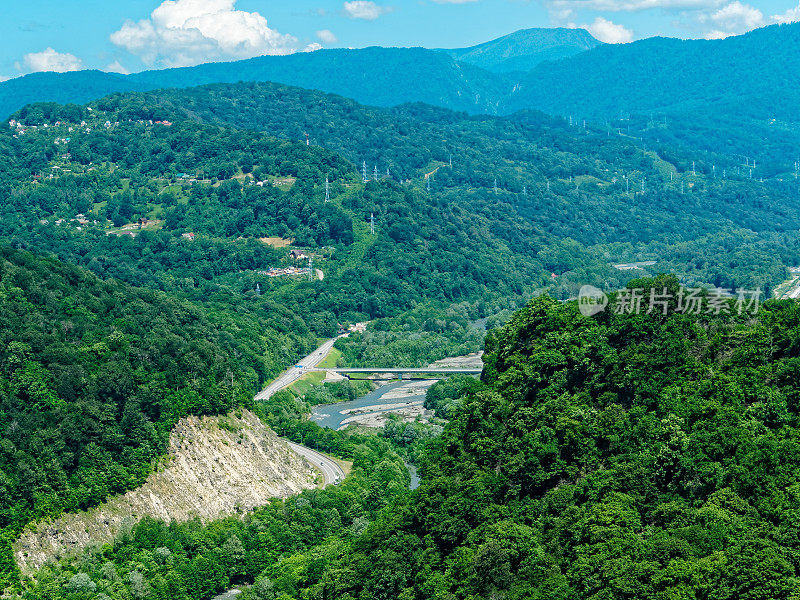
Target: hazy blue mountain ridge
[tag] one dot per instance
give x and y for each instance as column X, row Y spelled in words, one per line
column 525, row 49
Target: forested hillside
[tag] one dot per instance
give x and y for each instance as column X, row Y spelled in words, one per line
column 482, row 210
column 94, row 374
column 743, row 75
column 524, row 49
column 626, row 455
column 731, row 95
column 581, row 183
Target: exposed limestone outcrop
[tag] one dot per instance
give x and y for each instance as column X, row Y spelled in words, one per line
column 215, row 467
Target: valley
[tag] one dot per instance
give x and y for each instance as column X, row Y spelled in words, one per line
column 303, row 326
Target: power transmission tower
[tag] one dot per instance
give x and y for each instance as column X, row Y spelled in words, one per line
column 428, row 183
column 693, row 171
column 310, row 268
column 372, row 223
column 525, row 190
column 451, row 159
column 495, row 185
column 375, row 174
column 327, row 191
column 364, row 172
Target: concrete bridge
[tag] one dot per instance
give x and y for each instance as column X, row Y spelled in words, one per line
column 429, row 373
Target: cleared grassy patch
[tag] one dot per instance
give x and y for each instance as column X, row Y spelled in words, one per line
column 329, row 362
column 306, row 382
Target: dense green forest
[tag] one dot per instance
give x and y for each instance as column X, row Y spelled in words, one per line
column 625, row 455
column 94, row 374
column 146, row 274
column 574, row 194
column 473, row 214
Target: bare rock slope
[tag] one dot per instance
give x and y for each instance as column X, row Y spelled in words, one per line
column 215, row 467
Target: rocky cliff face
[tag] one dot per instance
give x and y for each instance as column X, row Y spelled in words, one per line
column 215, row 467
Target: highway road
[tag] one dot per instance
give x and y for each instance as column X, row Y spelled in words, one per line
column 294, row 372
column 331, row 471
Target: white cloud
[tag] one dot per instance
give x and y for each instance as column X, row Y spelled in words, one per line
column 313, row 47
column 4, row 78
column 609, row 32
column 326, row 36
column 731, row 19
column 365, row 9
column 50, row 60
column 189, row 32
column 790, row 16
column 116, row 67
column 737, row 17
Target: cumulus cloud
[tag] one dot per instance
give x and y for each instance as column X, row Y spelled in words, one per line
column 49, row 60
column 326, row 36
column 732, row 19
column 365, row 9
column 738, row 16
column 188, row 32
column 609, row 32
column 790, row 16
column 4, row 78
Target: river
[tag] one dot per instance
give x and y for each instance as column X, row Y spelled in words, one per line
column 401, row 397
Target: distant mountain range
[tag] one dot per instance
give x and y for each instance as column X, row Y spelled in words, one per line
column 753, row 75
column 474, row 79
column 723, row 95
column 377, row 76
column 525, row 49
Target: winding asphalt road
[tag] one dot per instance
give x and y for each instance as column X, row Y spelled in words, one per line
column 331, row 471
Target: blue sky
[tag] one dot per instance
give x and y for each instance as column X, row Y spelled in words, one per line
column 132, row 35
